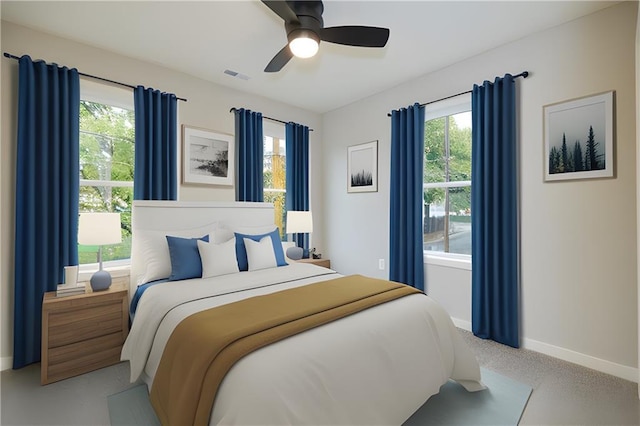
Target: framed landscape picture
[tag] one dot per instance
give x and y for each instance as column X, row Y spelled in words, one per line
column 207, row 156
column 578, row 138
column 362, row 167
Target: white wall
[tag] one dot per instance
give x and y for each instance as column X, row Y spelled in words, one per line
column 578, row 245
column 451, row 286
column 207, row 107
column 638, row 165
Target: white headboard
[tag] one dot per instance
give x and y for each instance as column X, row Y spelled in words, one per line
column 184, row 215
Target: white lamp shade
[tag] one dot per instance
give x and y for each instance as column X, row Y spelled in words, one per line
column 99, row 228
column 299, row 222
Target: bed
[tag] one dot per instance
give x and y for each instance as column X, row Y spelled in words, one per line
column 377, row 366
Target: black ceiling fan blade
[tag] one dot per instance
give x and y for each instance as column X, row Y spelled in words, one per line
column 280, row 60
column 283, row 10
column 354, row 35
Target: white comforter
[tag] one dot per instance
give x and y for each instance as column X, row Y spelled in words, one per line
column 375, row 367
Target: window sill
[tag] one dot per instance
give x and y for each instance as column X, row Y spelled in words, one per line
column 119, row 270
column 448, row 260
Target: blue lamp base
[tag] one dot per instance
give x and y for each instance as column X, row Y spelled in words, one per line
column 295, row 253
column 100, row 281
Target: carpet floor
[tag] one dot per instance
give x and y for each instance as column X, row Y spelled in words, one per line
column 501, row 404
column 563, row 393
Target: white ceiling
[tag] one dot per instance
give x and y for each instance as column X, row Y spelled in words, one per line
column 204, row 38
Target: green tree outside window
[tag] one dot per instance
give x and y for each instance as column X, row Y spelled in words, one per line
column 107, row 140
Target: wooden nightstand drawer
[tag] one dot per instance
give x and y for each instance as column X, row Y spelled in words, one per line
column 83, row 364
column 82, row 333
column 83, row 324
column 88, row 312
column 71, row 352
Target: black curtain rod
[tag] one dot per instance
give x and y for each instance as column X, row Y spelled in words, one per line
column 10, row 56
column 268, row 118
column 523, row 74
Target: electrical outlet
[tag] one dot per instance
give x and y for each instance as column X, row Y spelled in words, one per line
column 381, row 264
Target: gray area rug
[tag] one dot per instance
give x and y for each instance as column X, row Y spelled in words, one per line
column 501, row 404
column 132, row 407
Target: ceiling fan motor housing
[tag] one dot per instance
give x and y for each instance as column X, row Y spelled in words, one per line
column 310, row 21
column 300, row 31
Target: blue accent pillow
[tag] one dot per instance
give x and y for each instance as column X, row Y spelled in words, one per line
column 138, row 294
column 185, row 257
column 241, row 250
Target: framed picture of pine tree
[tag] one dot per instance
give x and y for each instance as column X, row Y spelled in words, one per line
column 362, row 164
column 578, row 138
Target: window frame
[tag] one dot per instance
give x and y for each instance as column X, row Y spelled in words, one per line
column 277, row 131
column 116, row 96
column 455, row 105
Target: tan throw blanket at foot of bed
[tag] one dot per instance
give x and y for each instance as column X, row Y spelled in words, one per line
column 205, row 345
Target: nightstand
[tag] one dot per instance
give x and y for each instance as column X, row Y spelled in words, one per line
column 84, row 332
column 325, row 263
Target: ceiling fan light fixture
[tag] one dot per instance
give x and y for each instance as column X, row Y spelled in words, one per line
column 305, row 28
column 305, row 44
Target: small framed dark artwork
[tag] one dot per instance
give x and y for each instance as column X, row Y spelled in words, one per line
column 362, row 167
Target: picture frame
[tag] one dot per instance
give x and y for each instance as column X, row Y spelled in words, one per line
column 207, row 157
column 578, row 138
column 362, row 167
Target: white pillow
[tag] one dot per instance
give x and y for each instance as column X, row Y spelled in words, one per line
column 218, row 259
column 260, row 254
column 150, row 251
column 225, row 232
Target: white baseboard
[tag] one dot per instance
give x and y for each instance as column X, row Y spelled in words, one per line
column 465, row 325
column 598, row 364
column 6, row 363
column 602, row 365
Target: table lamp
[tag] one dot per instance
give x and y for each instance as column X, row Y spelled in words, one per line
column 99, row 229
column 298, row 222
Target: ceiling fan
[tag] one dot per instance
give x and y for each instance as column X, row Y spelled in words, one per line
column 305, row 29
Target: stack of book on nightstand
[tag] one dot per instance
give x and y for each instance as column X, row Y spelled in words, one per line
column 69, row 290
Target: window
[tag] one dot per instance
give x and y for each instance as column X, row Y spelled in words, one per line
column 107, row 139
column 447, row 178
column 275, row 173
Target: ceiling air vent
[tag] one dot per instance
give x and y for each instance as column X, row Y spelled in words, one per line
column 236, row 74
